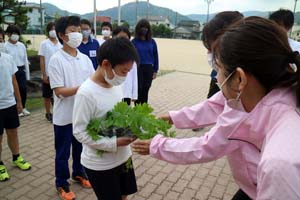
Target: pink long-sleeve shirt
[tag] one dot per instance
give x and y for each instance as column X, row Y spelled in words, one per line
column 262, row 146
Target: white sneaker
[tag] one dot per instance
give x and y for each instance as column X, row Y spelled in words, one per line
column 26, row 112
column 21, row 114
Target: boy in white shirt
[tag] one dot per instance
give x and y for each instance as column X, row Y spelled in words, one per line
column 68, row 69
column 106, row 29
column 47, row 48
column 10, row 105
column 107, row 173
column 18, row 51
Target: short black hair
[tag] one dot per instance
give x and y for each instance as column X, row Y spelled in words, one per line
column 119, row 29
column 85, row 21
column 283, row 17
column 106, row 24
column 62, row 23
column 143, row 23
column 2, row 33
column 117, row 51
column 13, row 29
column 49, row 27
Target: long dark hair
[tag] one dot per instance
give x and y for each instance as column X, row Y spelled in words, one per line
column 261, row 48
column 143, row 23
column 216, row 26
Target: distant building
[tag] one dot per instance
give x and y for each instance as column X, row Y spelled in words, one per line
column 296, row 32
column 157, row 20
column 36, row 22
column 101, row 19
column 187, row 29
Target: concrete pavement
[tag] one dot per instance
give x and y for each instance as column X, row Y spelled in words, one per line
column 156, row 179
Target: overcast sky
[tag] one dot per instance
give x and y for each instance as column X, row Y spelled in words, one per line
column 182, row 6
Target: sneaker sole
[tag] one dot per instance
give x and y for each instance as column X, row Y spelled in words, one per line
column 21, row 168
column 6, row 179
column 62, row 197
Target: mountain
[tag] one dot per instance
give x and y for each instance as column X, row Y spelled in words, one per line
column 128, row 12
column 202, row 17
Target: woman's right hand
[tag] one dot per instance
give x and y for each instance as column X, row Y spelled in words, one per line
column 166, row 118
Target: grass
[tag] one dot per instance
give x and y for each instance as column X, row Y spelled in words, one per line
column 31, row 52
column 34, row 103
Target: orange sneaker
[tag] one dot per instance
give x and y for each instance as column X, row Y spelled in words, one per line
column 83, row 181
column 65, row 193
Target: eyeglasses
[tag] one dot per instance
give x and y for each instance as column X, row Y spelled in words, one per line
column 220, row 85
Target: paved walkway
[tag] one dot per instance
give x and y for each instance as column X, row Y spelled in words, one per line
column 157, row 180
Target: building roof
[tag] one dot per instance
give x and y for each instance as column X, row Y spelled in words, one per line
column 32, row 5
column 102, row 19
column 188, row 23
column 157, row 18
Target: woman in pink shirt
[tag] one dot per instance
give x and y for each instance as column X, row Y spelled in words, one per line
column 258, row 127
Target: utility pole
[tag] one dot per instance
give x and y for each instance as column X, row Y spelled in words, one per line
column 41, row 17
column 147, row 9
column 208, row 4
column 295, row 5
column 119, row 12
column 95, row 18
column 136, row 12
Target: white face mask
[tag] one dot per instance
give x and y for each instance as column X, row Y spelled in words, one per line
column 116, row 80
column 75, row 39
column 106, row 33
column 14, row 37
column 52, row 34
column 235, row 103
column 86, row 33
column 210, row 60
column 2, row 49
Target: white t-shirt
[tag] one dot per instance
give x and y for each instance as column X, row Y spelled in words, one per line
column 67, row 71
column 47, row 49
column 7, row 69
column 294, row 45
column 130, row 86
column 19, row 54
column 93, row 101
column 101, row 41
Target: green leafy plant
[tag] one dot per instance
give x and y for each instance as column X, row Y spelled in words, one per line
column 123, row 120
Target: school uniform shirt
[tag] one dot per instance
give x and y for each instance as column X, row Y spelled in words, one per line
column 93, row 101
column 7, row 69
column 90, row 49
column 294, row 45
column 47, row 49
column 67, row 71
column 130, row 85
column 101, row 41
column 19, row 54
column 147, row 51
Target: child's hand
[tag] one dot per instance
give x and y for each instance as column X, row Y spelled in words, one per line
column 167, row 118
column 124, row 141
column 141, row 146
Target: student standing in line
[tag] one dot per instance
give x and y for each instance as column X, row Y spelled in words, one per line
column 68, row 69
column 89, row 46
column 257, row 112
column 10, row 106
column 130, row 86
column 285, row 19
column 109, row 173
column 47, row 48
column 148, row 54
column 18, row 51
column 106, row 28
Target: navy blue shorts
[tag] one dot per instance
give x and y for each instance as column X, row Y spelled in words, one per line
column 9, row 118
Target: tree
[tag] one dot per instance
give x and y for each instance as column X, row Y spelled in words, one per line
column 161, row 31
column 17, row 9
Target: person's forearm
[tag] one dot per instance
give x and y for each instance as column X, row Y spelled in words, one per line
column 65, row 92
column 42, row 65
